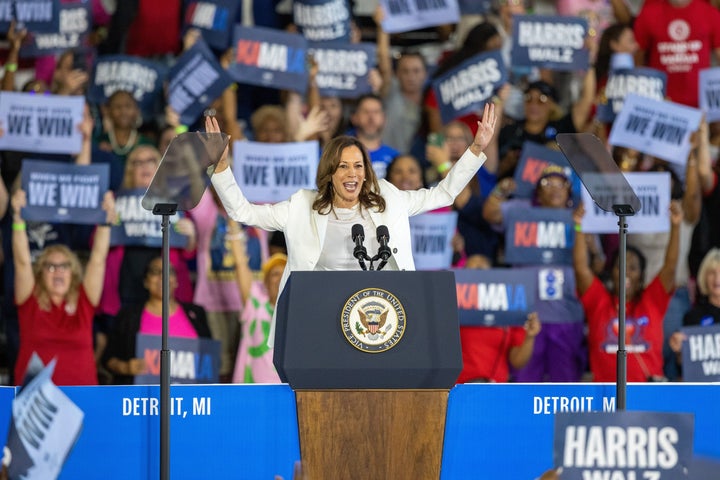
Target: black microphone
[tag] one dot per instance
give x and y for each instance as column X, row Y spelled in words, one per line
column 360, row 252
column 384, row 252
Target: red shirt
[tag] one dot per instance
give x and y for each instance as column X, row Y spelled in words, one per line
column 643, row 327
column 485, row 352
column 679, row 41
column 58, row 334
column 156, row 29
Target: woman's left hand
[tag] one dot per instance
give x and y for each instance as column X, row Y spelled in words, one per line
column 486, row 129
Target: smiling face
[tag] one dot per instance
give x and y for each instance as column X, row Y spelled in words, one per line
column 405, row 173
column 348, row 178
column 123, row 110
column 153, row 279
column 633, row 275
column 553, row 191
column 57, row 275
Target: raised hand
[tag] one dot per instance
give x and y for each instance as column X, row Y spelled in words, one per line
column 212, row 126
column 486, row 128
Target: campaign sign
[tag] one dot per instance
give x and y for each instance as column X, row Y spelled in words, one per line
column 494, row 297
column 653, row 190
column 269, row 58
column 701, row 354
column 322, row 20
column 192, row 360
column 534, row 158
column 45, row 426
column 142, row 78
column 645, row 82
column 658, row 128
column 474, row 7
column 73, row 34
column 539, row 236
column 138, row 226
column 64, row 192
column 709, row 93
column 467, row 87
column 195, row 81
column 41, row 123
column 624, row 444
column 272, row 172
column 214, row 18
column 553, row 42
column 408, row 15
column 343, row 68
column 37, row 16
column 432, row 235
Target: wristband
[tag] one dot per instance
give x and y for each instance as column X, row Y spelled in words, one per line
column 444, row 167
column 11, row 67
column 180, row 129
column 578, row 227
column 19, row 226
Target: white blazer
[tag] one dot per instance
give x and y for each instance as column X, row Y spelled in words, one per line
column 304, row 228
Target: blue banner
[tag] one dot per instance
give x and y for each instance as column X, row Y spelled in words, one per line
column 323, row 20
column 192, row 360
column 37, row 16
column 196, row 80
column 255, row 435
column 494, row 297
column 646, row 82
column 64, row 192
column 138, row 226
column 270, row 58
column 552, row 42
column 467, row 87
column 658, row 128
column 73, row 33
column 343, row 68
column 214, row 18
column 142, row 78
column 701, row 354
column 229, row 431
column 534, row 158
column 486, row 408
column 709, row 93
column 539, row 235
column 627, row 444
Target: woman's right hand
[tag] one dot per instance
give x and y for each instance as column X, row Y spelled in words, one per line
column 212, row 126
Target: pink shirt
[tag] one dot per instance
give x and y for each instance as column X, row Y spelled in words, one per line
column 178, row 324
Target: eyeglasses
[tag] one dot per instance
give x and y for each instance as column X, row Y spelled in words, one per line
column 553, row 182
column 530, row 98
column 57, row 267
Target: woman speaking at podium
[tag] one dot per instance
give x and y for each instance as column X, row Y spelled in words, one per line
column 318, row 224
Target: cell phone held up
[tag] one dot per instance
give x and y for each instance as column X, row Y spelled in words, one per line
column 435, row 138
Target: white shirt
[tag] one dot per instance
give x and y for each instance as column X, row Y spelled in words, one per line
column 337, row 250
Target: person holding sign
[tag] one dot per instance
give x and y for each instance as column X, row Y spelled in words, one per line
column 646, row 306
column 707, row 310
column 558, row 355
column 185, row 320
column 121, row 120
column 317, row 223
column 56, row 301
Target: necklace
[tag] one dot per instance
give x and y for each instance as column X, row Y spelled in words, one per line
column 125, row 148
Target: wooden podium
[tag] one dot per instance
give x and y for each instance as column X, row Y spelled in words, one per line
column 366, row 411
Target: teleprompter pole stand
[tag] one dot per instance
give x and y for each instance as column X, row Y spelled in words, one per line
column 622, row 211
column 166, row 210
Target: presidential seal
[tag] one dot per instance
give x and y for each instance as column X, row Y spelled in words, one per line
column 373, row 320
